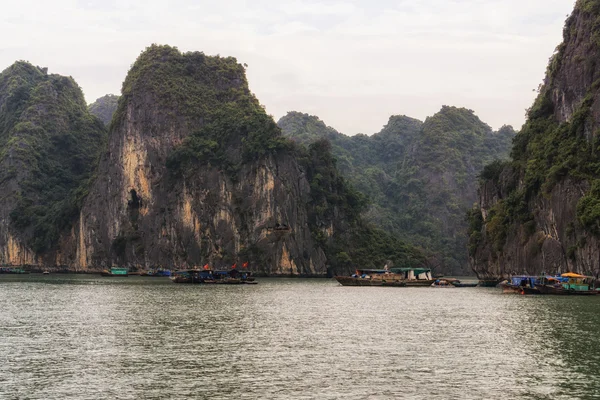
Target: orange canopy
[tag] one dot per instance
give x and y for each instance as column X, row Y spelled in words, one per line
column 572, row 275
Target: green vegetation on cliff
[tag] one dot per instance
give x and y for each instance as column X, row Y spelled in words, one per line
column 420, row 177
column 557, row 144
column 49, row 146
column 227, row 125
column 104, row 107
column 227, row 128
column 336, row 204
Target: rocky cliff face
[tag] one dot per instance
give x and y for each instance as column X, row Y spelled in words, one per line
column 49, row 145
column 540, row 211
column 195, row 172
column 420, row 176
column 216, row 200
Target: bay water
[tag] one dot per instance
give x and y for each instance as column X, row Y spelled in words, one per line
column 89, row 337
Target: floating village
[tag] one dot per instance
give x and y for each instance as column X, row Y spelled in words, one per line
column 562, row 284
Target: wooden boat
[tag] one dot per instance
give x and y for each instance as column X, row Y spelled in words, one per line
column 358, row 281
column 508, row 288
column 157, row 273
column 552, row 289
column 444, row 283
column 8, row 270
column 521, row 284
column 415, row 276
column 419, row 282
column 489, row 282
column 529, row 290
column 451, row 282
column 115, row 272
column 458, row 283
column 394, row 277
column 394, row 283
column 568, row 284
column 208, row 276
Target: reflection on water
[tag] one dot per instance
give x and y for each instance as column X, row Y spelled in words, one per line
column 86, row 337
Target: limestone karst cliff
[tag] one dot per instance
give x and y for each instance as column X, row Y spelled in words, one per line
column 194, row 171
column 49, row 146
column 421, row 177
column 540, row 212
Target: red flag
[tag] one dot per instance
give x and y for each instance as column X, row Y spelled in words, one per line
column 245, row 265
column 206, row 266
column 234, row 266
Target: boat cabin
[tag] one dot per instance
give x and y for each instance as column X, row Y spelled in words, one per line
column 579, row 283
column 119, row 271
column 411, row 274
column 524, row 281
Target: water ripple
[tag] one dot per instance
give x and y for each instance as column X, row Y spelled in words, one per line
column 82, row 337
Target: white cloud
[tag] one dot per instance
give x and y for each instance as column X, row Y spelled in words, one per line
column 353, row 63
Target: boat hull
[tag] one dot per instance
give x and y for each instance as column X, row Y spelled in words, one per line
column 465, row 284
column 197, row 280
column 350, row 281
column 528, row 290
column 489, row 282
column 509, row 289
column 419, row 283
column 560, row 291
column 394, row 283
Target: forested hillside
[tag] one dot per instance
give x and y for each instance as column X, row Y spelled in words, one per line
column 104, row 107
column 540, row 211
column 49, row 148
column 194, row 171
column 420, row 177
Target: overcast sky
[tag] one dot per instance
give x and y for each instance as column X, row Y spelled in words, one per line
column 353, row 63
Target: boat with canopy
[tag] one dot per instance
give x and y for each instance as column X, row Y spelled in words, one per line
column 398, row 277
column 569, row 283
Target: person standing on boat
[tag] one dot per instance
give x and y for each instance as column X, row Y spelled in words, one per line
column 234, row 272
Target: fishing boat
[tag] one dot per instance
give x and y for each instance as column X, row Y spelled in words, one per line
column 392, row 277
column 521, row 284
column 568, row 284
column 158, row 273
column 372, row 277
column 458, row 283
column 489, row 282
column 8, row 270
column 452, row 282
column 115, row 272
column 444, row 283
column 415, row 276
column 209, row 276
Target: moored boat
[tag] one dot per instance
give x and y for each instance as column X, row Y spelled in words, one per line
column 489, row 282
column 568, row 284
column 9, row 270
column 415, row 276
column 444, row 283
column 115, row 272
column 394, row 277
column 521, row 284
column 209, row 276
column 371, row 277
column 458, row 283
column 157, row 273
column 452, row 282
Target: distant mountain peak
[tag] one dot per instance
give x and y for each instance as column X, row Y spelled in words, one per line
column 104, row 107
